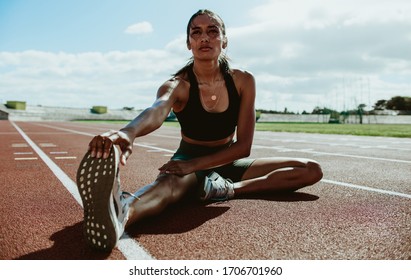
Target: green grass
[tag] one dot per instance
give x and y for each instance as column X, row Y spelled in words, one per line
column 385, row 130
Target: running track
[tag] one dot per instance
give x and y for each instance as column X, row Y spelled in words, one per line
column 360, row 210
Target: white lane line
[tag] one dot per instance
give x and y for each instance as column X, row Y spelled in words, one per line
column 154, row 148
column 47, row 145
column 58, row 153
column 355, row 156
column 281, row 149
column 352, row 141
column 66, row 129
column 19, row 145
column 365, row 188
column 67, row 182
column 23, row 153
column 127, row 245
column 65, row 157
column 27, row 158
column 166, row 136
column 154, row 151
column 92, row 135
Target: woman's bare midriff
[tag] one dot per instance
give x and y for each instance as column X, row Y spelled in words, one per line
column 213, row 143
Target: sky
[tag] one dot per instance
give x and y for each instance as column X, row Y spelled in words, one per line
column 303, row 53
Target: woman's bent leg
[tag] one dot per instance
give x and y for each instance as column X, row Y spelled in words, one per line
column 278, row 174
column 154, row 198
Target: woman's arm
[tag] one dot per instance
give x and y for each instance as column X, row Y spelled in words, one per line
column 153, row 117
column 146, row 122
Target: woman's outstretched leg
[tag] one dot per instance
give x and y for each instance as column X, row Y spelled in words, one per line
column 154, row 198
column 106, row 209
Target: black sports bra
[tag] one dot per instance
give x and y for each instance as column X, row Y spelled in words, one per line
column 198, row 124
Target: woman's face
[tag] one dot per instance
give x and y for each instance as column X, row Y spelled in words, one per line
column 206, row 39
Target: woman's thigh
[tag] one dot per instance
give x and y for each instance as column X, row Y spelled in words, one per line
column 263, row 166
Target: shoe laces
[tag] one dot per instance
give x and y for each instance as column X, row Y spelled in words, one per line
column 121, row 210
column 125, row 195
column 222, row 189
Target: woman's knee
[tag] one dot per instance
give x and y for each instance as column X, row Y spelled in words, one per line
column 172, row 188
column 315, row 172
column 163, row 190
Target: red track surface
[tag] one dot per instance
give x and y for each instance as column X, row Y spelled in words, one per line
column 334, row 219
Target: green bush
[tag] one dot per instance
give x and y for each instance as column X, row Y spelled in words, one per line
column 99, row 109
column 257, row 115
column 17, row 105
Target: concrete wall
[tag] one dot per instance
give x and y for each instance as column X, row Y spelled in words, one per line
column 4, row 115
column 380, row 119
column 294, row 118
column 372, row 119
column 40, row 113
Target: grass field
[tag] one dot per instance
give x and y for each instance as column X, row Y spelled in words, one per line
column 385, row 130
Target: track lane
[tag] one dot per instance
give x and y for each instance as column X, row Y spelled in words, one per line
column 311, row 224
column 38, row 217
column 127, row 246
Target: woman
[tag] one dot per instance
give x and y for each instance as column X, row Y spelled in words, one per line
column 212, row 103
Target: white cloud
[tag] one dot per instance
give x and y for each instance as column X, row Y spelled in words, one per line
column 115, row 79
column 139, row 28
column 302, row 53
column 320, row 13
column 313, row 45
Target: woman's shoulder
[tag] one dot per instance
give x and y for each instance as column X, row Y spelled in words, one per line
column 178, row 79
column 242, row 76
column 175, row 85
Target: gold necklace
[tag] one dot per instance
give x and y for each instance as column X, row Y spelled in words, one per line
column 213, row 96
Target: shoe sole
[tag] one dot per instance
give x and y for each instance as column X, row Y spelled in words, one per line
column 95, row 182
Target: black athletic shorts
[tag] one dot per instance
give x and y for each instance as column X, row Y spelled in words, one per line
column 233, row 171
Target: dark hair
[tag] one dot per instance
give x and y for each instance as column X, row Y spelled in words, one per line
column 223, row 59
column 208, row 13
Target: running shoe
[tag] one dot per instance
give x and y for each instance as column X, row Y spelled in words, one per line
column 216, row 188
column 105, row 206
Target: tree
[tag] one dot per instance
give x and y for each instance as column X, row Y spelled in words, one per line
column 325, row 110
column 400, row 103
column 380, row 104
column 360, row 111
